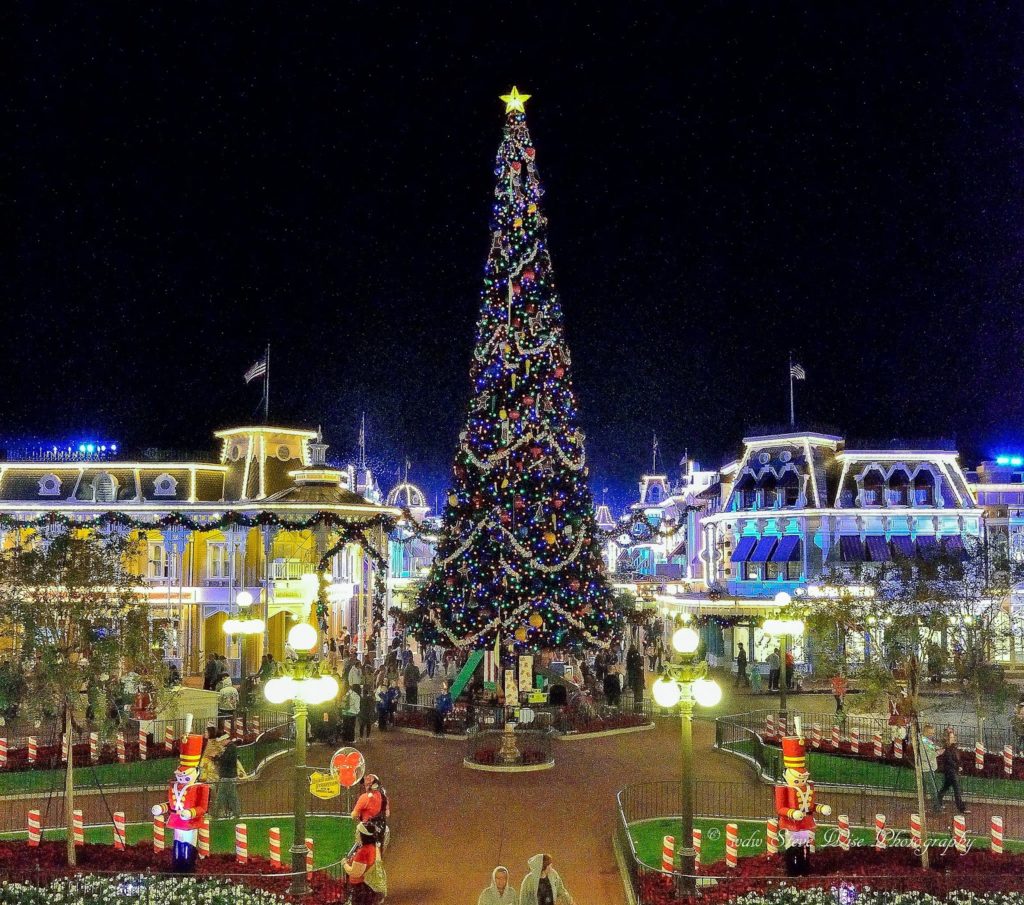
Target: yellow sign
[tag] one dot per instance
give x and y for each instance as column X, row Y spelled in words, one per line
column 323, row 785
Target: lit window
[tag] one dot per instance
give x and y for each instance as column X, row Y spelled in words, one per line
column 165, row 485
column 218, row 563
column 161, row 565
column 49, row 485
column 104, row 488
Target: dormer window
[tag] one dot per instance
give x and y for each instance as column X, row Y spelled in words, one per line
column 105, row 488
column 873, row 487
column 924, row 488
column 790, row 489
column 654, row 494
column 899, row 488
column 49, row 485
column 165, row 485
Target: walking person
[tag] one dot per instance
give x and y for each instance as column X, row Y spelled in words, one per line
column 350, row 704
column 210, row 673
column 741, row 666
column 542, row 885
column 358, row 863
column 774, row 666
column 950, row 755
column 227, row 703
column 431, row 661
column 229, row 771
column 635, row 674
column 411, row 680
column 839, row 688
column 442, row 707
column 501, row 891
column 367, row 711
column 930, row 764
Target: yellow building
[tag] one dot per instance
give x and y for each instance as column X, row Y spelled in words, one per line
column 261, row 516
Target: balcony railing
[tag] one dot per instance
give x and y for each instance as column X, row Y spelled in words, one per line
column 290, row 569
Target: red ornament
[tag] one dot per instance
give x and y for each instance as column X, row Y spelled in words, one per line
column 514, row 415
column 574, row 585
column 449, row 581
column 531, row 308
column 519, row 503
column 516, row 289
column 530, row 152
column 536, row 451
column 527, row 274
column 505, row 517
column 558, row 503
column 516, row 166
column 559, row 372
column 528, row 400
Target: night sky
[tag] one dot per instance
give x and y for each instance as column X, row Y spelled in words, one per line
column 725, row 183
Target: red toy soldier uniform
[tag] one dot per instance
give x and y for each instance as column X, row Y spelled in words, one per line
column 187, row 803
column 795, row 807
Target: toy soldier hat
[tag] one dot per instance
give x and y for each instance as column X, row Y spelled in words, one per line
column 191, row 751
column 794, row 753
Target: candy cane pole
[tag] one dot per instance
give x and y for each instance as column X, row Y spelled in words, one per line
column 698, row 838
column 769, row 725
column 204, row 837
column 33, row 749
column 274, row 844
column 915, row 832
column 844, row 832
column 122, row 754
column 855, row 741
column 732, row 839
column 897, row 748
column 979, row 756
column 35, row 830
column 836, row 737
column 241, row 843
column 815, row 735
column 256, row 724
column 668, row 853
column 879, row 832
column 119, row 830
column 309, row 858
column 996, row 835
column 3, row 753
column 1008, row 760
column 78, row 828
column 168, row 737
column 239, row 732
column 771, row 836
column 876, row 744
column 960, row 833
column 94, row 746
column 143, row 744
column 63, row 747
column 159, row 825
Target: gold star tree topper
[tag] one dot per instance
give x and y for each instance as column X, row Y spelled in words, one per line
column 514, row 101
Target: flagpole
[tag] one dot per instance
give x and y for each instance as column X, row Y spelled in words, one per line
column 266, row 390
column 792, row 409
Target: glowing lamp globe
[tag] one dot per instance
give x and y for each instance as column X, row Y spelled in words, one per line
column 783, row 599
column 685, row 640
column 329, row 686
column 536, row 620
column 232, row 626
column 666, row 692
column 279, row 689
column 243, row 599
column 302, row 636
column 707, row 692
column 255, row 626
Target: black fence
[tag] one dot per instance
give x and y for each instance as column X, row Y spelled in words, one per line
column 520, row 747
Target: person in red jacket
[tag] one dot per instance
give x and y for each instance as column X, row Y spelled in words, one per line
column 187, row 803
column 796, row 807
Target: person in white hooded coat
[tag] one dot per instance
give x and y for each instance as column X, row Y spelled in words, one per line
column 542, row 885
column 501, row 891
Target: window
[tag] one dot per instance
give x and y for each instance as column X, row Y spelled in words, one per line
column 654, row 493
column 165, row 485
column 161, row 566
column 924, row 488
column 283, row 453
column 104, row 488
column 899, row 488
column 49, row 485
column 751, row 571
column 340, row 566
column 218, row 564
column 790, row 489
column 783, row 571
column 871, row 489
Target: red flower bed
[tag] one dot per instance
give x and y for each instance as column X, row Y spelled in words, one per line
column 604, row 724
column 895, row 869
column 19, row 862
column 489, row 757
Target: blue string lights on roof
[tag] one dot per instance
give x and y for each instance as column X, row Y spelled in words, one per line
column 519, row 553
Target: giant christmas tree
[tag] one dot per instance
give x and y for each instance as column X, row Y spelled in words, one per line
column 519, row 553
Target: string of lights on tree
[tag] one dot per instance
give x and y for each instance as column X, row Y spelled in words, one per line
column 519, row 551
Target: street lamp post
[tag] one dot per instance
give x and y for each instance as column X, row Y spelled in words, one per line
column 683, row 682
column 244, row 627
column 302, row 684
column 783, row 629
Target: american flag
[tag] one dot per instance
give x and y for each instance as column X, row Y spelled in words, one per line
column 257, row 370
column 797, row 372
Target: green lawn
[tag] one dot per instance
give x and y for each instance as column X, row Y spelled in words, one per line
column 332, row 836
column 135, row 773
column 855, row 771
column 647, row 838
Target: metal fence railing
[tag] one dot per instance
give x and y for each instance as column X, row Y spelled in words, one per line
column 754, row 736
column 488, row 747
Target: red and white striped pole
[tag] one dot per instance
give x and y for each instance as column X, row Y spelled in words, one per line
column 698, row 838
column 35, row 828
column 844, row 832
column 3, row 753
column 78, row 827
column 876, row 744
column 241, row 843
column 879, row 832
column 836, row 737
column 119, row 836
column 143, row 744
column 122, row 754
column 732, row 844
column 168, row 737
column 255, row 724
column 238, row 727
column 769, row 725
column 309, row 858
column 897, row 748
column 33, row 749
column 159, row 825
column 979, row 755
column 1008, row 760
column 204, row 837
column 815, row 735
column 771, row 836
column 960, row 833
column 996, row 835
column 855, row 741
column 63, row 747
column 94, row 746
column 915, row 832
column 814, row 834
column 274, row 844
column 668, row 853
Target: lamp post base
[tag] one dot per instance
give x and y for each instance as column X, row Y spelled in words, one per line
column 299, row 885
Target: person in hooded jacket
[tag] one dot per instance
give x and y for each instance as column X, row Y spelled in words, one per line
column 501, row 891
column 542, row 885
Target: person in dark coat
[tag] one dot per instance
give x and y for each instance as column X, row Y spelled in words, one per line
column 741, row 666
column 635, row 673
column 949, row 757
column 210, row 673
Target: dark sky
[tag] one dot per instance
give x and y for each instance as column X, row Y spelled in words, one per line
column 724, row 181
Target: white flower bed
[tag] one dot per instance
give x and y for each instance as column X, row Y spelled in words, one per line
column 119, row 890
column 843, row 894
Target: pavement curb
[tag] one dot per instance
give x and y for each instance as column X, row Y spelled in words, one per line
column 629, row 897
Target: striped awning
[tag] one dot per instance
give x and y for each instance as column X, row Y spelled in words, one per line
column 903, row 545
column 850, row 548
column 744, row 548
column 788, row 549
column 878, row 548
column 954, row 546
column 763, row 550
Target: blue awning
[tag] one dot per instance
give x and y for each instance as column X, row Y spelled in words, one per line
column 850, row 548
column 954, row 546
column 764, row 548
column 788, row 549
column 744, row 548
column 903, row 545
column 927, row 545
column 878, row 549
